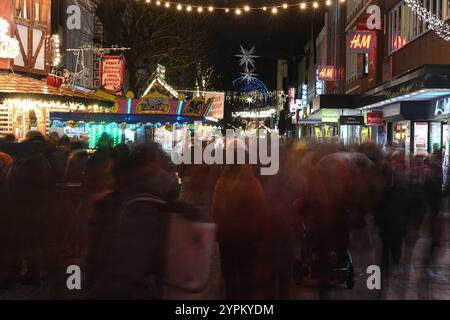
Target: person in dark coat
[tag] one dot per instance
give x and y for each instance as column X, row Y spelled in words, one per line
column 125, row 257
column 31, row 183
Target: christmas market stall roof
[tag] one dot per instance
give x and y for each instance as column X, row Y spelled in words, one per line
column 158, row 83
column 18, row 86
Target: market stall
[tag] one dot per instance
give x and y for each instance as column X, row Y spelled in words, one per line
column 26, row 103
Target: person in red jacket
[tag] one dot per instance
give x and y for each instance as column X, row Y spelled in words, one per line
column 239, row 209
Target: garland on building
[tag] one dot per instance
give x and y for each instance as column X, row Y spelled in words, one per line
column 439, row 26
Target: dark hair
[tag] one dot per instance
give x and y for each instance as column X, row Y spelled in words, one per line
column 32, row 136
column 9, row 137
column 128, row 165
column 77, row 145
column 64, row 141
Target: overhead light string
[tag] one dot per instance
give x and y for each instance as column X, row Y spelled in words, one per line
column 245, row 8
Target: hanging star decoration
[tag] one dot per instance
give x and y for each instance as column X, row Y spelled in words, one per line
column 248, row 74
column 247, row 60
column 247, row 57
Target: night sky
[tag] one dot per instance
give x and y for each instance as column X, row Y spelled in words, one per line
column 274, row 37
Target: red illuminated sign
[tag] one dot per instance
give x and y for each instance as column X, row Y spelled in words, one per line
column 112, row 73
column 361, row 42
column 327, row 73
column 375, row 119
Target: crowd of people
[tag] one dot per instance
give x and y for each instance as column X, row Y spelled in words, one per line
column 107, row 210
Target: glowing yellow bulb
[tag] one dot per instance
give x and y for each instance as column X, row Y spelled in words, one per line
column 238, row 12
column 247, row 8
column 264, row 8
column 285, row 6
column 158, row 3
column 274, row 10
column 179, row 7
column 328, row 3
column 167, row 4
column 303, row 6
column 200, row 9
column 227, row 10
column 189, row 8
column 210, row 9
column 315, row 5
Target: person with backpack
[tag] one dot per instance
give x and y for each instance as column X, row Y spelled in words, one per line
column 130, row 245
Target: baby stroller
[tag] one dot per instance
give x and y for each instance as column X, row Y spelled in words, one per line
column 323, row 262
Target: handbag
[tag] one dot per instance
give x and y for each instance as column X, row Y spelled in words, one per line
column 188, row 248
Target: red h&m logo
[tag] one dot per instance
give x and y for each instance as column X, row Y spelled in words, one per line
column 327, row 73
column 361, row 42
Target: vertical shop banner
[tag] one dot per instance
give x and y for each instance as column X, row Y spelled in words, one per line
column 291, row 100
column 218, row 104
column 112, row 73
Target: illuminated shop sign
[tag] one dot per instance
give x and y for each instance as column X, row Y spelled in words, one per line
column 351, row 120
column 361, row 41
column 112, row 73
column 255, row 114
column 9, row 47
column 304, row 101
column 327, row 73
column 442, row 107
column 375, row 119
column 330, row 116
column 319, row 84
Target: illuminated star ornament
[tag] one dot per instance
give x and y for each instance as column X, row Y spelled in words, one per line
column 247, row 57
column 248, row 74
column 248, row 81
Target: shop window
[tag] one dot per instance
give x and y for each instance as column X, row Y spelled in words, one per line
column 400, row 136
column 420, row 138
column 435, row 137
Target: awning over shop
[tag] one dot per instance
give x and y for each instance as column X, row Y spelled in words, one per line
column 18, row 86
column 426, row 82
column 123, row 118
column 333, row 101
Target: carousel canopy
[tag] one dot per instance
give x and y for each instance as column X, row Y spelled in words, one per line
column 124, row 118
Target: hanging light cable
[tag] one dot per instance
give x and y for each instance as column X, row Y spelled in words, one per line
column 245, row 8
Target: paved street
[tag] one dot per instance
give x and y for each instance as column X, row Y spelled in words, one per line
column 409, row 283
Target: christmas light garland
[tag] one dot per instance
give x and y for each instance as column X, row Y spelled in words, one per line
column 439, row 26
column 240, row 10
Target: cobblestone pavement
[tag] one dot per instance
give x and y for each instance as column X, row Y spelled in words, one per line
column 412, row 282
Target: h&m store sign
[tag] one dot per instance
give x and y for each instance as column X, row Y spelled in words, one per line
column 442, row 107
column 364, row 38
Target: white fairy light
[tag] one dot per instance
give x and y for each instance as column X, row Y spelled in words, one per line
column 440, row 27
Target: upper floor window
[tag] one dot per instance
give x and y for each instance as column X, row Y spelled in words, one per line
column 40, row 11
column 22, row 9
column 404, row 25
column 36, row 10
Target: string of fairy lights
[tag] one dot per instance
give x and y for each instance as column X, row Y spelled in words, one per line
column 436, row 24
column 241, row 10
